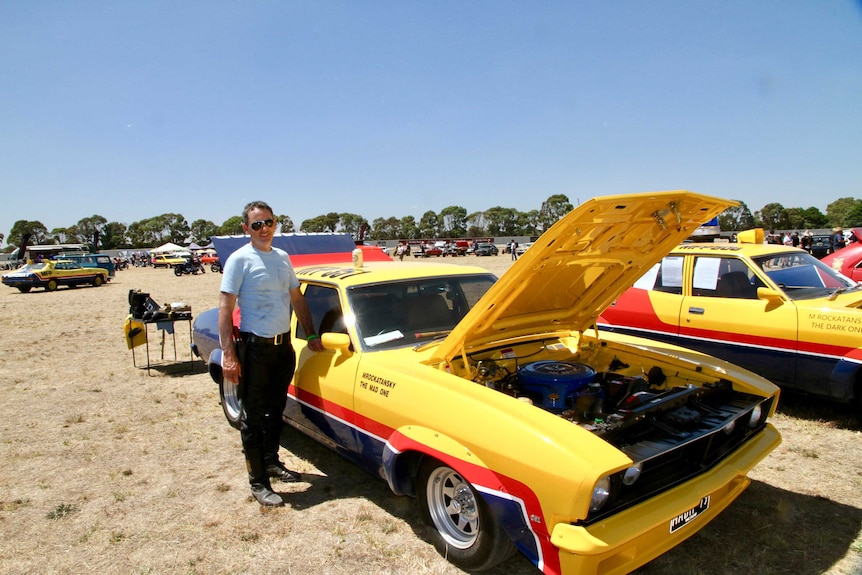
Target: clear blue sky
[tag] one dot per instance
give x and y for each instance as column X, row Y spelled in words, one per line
column 133, row 109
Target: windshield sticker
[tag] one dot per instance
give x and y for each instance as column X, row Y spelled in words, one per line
column 647, row 281
column 706, row 273
column 373, row 340
column 671, row 271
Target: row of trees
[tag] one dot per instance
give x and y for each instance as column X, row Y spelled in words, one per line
column 844, row 212
column 450, row 222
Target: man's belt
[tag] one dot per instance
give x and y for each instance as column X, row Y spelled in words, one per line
column 279, row 339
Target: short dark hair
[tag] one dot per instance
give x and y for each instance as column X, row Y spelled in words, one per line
column 256, row 205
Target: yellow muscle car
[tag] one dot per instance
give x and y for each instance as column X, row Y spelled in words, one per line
column 168, row 260
column 773, row 309
column 512, row 421
column 53, row 274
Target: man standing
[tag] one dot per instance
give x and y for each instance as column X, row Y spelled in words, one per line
column 261, row 280
column 513, row 248
column 836, row 240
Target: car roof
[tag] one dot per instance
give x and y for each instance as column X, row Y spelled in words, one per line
column 749, row 250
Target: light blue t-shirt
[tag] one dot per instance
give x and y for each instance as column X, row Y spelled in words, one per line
column 262, row 282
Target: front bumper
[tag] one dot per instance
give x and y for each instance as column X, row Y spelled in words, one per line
column 641, row 533
column 20, row 282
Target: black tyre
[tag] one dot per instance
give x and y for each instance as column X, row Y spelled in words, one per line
column 215, row 268
column 97, row 281
column 24, row 289
column 178, row 271
column 230, row 402
column 51, row 285
column 464, row 530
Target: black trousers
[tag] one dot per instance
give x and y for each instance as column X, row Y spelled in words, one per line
column 266, row 373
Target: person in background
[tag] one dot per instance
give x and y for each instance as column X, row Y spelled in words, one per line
column 836, row 240
column 261, row 360
column 805, row 241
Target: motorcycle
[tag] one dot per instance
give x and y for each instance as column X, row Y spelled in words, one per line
column 215, row 267
column 189, row 268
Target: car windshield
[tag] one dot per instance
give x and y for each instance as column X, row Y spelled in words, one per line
column 802, row 276
column 408, row 312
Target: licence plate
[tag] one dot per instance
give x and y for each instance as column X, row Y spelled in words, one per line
column 687, row 517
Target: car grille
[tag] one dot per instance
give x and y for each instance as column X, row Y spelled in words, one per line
column 670, row 456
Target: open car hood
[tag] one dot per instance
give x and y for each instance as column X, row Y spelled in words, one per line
column 580, row 265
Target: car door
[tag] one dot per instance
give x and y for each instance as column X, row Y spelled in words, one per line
column 651, row 307
column 721, row 315
column 320, row 399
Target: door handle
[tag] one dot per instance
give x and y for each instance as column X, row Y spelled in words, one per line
column 696, row 310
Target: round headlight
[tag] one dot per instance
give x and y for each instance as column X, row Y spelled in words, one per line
column 601, row 493
column 632, row 473
column 756, row 414
column 731, row 425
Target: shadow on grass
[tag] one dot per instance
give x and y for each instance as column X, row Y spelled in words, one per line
column 768, row 531
column 178, row 368
column 840, row 415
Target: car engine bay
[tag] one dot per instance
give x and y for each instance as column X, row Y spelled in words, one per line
column 672, row 425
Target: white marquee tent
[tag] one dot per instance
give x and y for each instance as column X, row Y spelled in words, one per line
column 168, row 248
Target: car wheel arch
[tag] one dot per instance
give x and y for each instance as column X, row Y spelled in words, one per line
column 845, row 382
column 857, row 391
column 214, row 366
column 409, row 447
column 406, row 472
column 463, row 527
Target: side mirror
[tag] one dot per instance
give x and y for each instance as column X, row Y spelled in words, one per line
column 769, row 295
column 333, row 340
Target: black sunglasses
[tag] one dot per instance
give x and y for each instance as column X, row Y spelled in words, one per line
column 256, row 225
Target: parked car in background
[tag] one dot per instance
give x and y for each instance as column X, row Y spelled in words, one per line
column 848, row 260
column 819, row 246
column 456, row 248
column 52, row 274
column 486, row 250
column 513, row 423
column 93, row 261
column 169, row 260
column 208, row 258
column 522, row 248
column 773, row 309
column 426, row 251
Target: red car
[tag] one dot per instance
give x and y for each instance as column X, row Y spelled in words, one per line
column 428, row 251
column 848, row 260
column 209, row 258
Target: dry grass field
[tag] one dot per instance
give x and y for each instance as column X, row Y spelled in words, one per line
column 110, row 469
